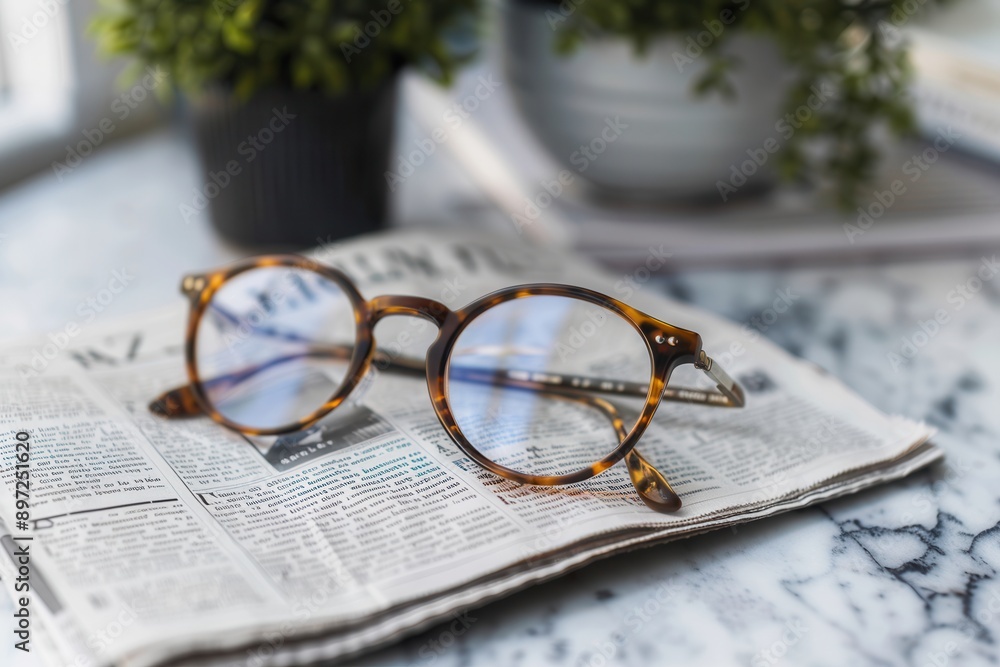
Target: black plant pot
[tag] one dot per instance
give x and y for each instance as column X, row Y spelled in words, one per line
column 293, row 168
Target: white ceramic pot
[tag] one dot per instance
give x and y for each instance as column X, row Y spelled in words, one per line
column 676, row 145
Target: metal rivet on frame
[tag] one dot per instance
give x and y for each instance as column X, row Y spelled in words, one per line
column 661, row 339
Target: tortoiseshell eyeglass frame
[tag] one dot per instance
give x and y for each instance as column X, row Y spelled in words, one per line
column 668, row 347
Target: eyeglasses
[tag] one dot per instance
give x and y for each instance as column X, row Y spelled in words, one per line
column 541, row 384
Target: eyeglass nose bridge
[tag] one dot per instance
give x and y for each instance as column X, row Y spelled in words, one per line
column 414, row 306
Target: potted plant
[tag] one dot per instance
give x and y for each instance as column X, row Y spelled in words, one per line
column 292, row 101
column 718, row 96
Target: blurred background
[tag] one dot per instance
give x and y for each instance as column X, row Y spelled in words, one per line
column 845, row 154
column 178, row 134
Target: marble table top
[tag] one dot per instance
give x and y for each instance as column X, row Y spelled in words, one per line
column 904, row 574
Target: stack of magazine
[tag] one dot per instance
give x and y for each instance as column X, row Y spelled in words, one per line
column 158, row 542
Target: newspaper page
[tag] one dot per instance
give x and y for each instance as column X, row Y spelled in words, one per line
column 161, row 541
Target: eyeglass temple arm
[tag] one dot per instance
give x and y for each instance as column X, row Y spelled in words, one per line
column 651, row 485
column 181, row 402
column 727, row 386
column 729, row 394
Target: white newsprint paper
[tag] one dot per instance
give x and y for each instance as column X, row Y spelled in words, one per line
column 159, row 542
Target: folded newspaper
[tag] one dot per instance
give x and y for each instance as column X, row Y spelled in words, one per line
column 156, row 542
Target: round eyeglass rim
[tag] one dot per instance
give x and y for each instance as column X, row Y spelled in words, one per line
column 659, row 373
column 357, row 367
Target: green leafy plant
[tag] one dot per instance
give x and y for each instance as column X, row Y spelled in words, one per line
column 328, row 45
column 852, row 48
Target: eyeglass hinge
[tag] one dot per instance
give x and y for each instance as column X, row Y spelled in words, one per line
column 192, row 285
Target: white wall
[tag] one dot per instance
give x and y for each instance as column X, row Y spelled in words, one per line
column 57, row 87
